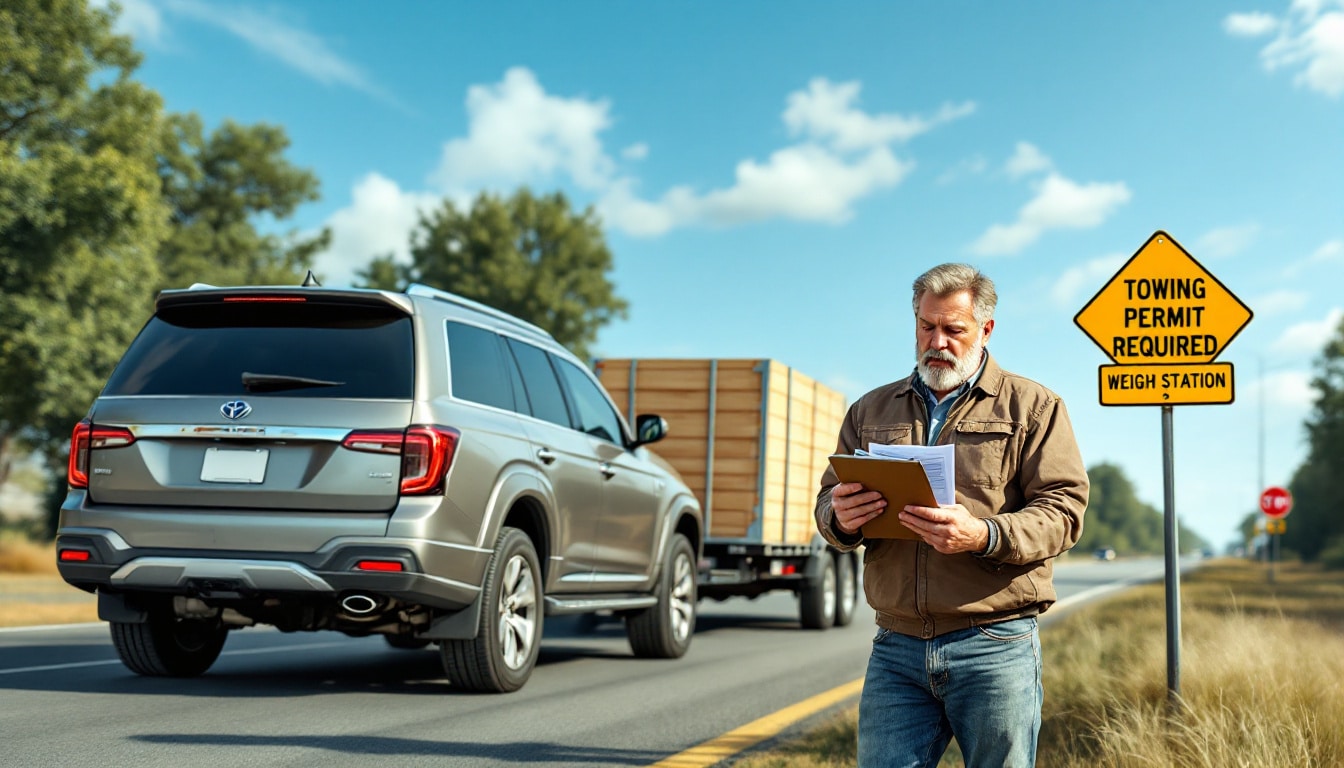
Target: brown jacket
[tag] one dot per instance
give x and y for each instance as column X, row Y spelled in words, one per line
column 1017, row 460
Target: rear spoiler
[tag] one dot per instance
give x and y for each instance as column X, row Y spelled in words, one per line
column 200, row 294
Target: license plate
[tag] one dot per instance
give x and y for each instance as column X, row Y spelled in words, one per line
column 227, row 465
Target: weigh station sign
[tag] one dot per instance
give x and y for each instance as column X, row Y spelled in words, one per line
column 1162, row 319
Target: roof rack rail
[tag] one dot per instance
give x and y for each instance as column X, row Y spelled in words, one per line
column 420, row 289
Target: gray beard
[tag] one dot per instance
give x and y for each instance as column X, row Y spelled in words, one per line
column 945, row 379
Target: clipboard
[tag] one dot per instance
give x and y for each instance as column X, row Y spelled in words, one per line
column 900, row 481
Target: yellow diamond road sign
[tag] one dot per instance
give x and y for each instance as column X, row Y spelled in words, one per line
column 1163, row 307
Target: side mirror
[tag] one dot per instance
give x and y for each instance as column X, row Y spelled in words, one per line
column 649, row 428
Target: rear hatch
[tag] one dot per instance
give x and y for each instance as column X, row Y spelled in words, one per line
column 255, row 399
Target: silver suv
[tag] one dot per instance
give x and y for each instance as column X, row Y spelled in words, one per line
column 414, row 465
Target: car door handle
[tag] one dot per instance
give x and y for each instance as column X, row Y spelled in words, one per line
column 545, row 456
column 606, row 470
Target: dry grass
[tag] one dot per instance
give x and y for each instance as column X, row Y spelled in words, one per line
column 1262, row 679
column 18, row 554
column 31, row 591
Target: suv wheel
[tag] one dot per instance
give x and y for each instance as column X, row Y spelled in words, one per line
column 664, row 631
column 816, row 602
column 166, row 646
column 501, row 656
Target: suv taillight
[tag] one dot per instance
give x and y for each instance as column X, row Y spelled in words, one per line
column 87, row 437
column 426, row 454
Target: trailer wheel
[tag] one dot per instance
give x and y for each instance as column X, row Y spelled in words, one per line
column 846, row 589
column 816, row 602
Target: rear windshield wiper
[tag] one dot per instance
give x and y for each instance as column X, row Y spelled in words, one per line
column 271, row 382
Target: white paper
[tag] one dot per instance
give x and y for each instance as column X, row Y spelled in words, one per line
column 939, row 462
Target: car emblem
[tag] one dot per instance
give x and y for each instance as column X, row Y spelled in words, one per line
column 235, row 409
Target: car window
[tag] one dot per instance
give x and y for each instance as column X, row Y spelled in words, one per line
column 357, row 351
column 543, row 389
column 476, row 362
column 596, row 416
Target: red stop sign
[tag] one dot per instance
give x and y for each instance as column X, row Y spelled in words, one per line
column 1276, row 502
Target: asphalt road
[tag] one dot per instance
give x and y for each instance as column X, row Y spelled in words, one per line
column 322, row 699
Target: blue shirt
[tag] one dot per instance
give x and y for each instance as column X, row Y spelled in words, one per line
column 938, row 408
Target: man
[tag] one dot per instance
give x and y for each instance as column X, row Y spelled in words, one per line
column 957, row 651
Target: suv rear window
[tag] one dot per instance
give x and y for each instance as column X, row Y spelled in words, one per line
column 204, row 349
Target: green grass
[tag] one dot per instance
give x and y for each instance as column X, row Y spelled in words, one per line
column 1262, row 679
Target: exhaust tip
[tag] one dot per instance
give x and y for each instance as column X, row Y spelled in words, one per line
column 359, row 605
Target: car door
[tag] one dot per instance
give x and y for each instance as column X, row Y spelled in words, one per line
column 566, row 457
column 631, row 488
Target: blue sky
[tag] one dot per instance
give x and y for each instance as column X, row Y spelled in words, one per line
column 773, row 175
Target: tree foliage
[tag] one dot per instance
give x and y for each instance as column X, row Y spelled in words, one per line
column 104, row 198
column 216, row 188
column 1317, row 518
column 80, row 213
column 530, row 256
column 1116, row 518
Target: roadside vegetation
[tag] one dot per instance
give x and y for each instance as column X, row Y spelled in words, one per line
column 31, row 591
column 1262, row 679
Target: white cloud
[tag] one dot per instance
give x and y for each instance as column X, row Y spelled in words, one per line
column 519, row 132
column 1282, row 389
column 636, row 151
column 1060, row 203
column 971, row 166
column 1310, row 38
column 377, row 222
column 1278, row 302
column 1076, row 284
column 1026, row 160
column 825, row 112
column 1227, row 241
column 1250, row 24
column 273, row 36
column 804, row 182
column 138, row 18
column 1330, row 253
column 1308, row 338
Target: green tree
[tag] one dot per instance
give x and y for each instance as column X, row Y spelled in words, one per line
column 80, row 214
column 1117, row 518
column 218, row 187
column 533, row 257
column 1317, row 519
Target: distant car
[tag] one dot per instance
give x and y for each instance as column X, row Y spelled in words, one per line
column 1104, row 553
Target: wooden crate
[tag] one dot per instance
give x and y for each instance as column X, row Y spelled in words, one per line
column 750, row 437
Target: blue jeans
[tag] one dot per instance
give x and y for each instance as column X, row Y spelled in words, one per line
column 982, row 685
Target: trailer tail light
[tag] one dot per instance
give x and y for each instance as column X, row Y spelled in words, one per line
column 87, row 437
column 426, row 454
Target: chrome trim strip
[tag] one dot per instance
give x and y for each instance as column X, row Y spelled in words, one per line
column 237, row 432
column 556, row 606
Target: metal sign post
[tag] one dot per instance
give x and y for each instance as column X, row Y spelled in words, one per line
column 1162, row 319
column 1173, row 565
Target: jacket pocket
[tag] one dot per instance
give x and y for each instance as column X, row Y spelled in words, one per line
column 982, row 455
column 886, row 434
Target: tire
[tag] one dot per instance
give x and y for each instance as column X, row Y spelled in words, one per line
column 664, row 631
column 166, row 646
column 816, row 602
column 501, row 656
column 846, row 589
column 406, row 642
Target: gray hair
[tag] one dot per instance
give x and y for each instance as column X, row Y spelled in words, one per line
column 947, row 279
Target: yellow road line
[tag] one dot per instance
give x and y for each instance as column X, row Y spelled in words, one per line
column 753, row 733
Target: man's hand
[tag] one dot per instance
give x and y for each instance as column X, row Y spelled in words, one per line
column 947, row 529
column 855, row 506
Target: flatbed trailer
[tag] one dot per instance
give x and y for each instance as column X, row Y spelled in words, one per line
column 751, row 438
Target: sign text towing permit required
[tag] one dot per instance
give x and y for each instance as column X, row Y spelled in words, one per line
column 1163, row 307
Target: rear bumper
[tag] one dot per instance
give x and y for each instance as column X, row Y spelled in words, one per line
column 114, row 566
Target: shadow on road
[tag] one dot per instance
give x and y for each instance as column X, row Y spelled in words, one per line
column 539, row 752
